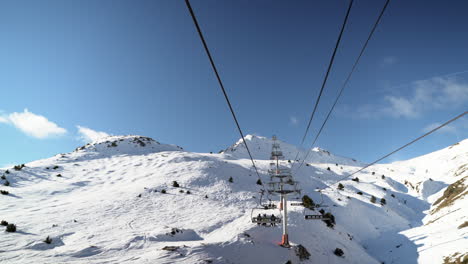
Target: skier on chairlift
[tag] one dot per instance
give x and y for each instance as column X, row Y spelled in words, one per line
column 273, row 220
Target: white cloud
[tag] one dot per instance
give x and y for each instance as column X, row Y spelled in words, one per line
column 33, row 125
column 400, row 107
column 293, row 120
column 438, row 93
column 446, row 129
column 460, row 127
column 88, row 135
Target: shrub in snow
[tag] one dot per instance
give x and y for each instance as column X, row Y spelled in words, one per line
column 383, row 201
column 372, row 199
column 11, row 228
column 4, row 223
column 328, row 168
column 170, row 248
column 7, row 172
column 55, row 167
column 301, row 252
column 336, row 164
column 18, row 167
column 175, row 184
column 307, row 164
column 373, row 173
column 383, row 176
column 288, row 262
column 289, row 161
column 465, row 224
column 331, row 219
column 259, row 182
column 206, row 196
column 3, row 177
column 360, row 193
column 181, row 191
column 355, row 179
column 113, row 144
column 308, row 202
column 383, row 188
column 188, row 192
column 392, row 195
column 163, row 191
column 340, row 186
column 48, row 240
column 6, row 183
column 59, row 175
column 339, row 252
column 230, row 179
column 4, row 192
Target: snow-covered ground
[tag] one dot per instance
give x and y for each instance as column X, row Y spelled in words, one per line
column 104, row 203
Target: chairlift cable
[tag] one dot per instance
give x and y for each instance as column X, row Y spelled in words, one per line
column 330, row 64
column 187, row 2
column 347, row 79
column 402, row 147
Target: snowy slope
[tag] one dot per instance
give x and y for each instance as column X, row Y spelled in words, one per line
column 261, row 148
column 103, row 203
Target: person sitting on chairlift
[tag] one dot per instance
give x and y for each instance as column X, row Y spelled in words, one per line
column 273, row 220
column 259, row 218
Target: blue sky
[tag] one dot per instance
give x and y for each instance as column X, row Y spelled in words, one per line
column 72, row 69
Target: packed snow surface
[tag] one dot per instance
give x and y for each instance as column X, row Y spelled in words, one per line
column 115, row 201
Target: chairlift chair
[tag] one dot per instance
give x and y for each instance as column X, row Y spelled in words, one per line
column 288, row 187
column 309, row 215
column 265, row 216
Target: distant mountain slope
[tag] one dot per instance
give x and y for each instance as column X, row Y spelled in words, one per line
column 117, row 201
column 261, row 148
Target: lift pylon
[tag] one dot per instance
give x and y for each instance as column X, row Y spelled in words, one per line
column 281, row 183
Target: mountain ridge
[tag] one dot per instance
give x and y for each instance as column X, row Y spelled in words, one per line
column 108, row 205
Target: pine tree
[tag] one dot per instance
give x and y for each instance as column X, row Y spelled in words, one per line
column 175, row 184
column 339, row 252
column 230, row 179
column 340, row 186
column 372, row 199
column 11, row 228
column 48, row 240
column 383, row 201
column 308, row 202
column 259, row 182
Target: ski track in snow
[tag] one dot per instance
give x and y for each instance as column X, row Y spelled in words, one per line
column 107, row 207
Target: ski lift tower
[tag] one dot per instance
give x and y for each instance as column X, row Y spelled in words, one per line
column 282, row 183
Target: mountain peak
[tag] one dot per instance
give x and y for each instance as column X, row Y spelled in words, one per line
column 129, row 144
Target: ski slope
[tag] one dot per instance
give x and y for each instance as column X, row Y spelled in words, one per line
column 103, row 203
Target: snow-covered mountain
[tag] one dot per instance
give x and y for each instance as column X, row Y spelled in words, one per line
column 261, row 149
column 115, row 201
